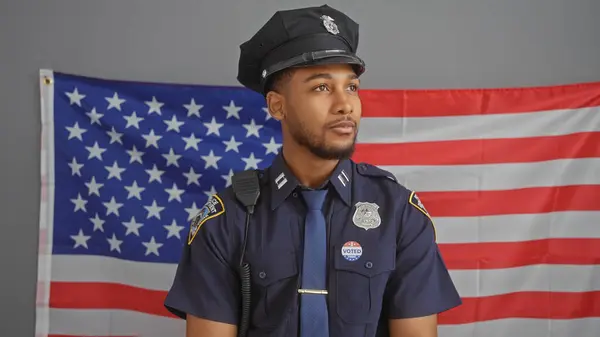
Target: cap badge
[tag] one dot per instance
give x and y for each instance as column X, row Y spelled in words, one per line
column 366, row 215
column 330, row 25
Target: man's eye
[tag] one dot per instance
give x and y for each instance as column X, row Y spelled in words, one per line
column 353, row 87
column 321, row 87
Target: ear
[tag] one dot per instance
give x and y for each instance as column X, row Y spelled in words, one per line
column 275, row 103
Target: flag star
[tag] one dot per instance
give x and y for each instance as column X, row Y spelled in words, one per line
column 75, row 131
column 132, row 227
column 80, row 239
column 114, row 243
column 172, row 158
column 228, row 178
column 192, row 211
column 75, row 97
column 154, row 106
column 173, row 230
column 192, row 177
column 115, row 136
column 98, row 223
column 193, row 108
column 211, row 192
column 152, row 246
column 135, row 155
column 114, row 102
column 112, row 207
column 191, row 142
column 213, row 127
column 94, row 116
column 232, row 110
column 271, row 146
column 114, row 171
column 174, row 193
column 134, row 191
column 155, row 174
column 251, row 162
column 79, row 203
column 75, row 167
column 152, row 139
column 211, row 160
column 268, row 115
column 232, row 145
column 95, row 151
column 133, row 120
column 174, row 124
column 93, row 187
column 252, row 128
column 154, row 210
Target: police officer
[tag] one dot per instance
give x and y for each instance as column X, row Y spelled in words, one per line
column 336, row 248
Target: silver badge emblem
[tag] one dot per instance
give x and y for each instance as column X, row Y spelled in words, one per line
column 330, row 25
column 366, row 215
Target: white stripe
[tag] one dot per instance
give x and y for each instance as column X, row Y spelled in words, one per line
column 419, row 129
column 113, row 323
column 561, row 172
column 518, row 227
column 88, row 268
column 560, row 278
column 516, row 327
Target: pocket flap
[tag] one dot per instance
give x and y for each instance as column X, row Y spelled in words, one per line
column 373, row 260
column 273, row 267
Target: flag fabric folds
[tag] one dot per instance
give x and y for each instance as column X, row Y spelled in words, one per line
column 510, row 176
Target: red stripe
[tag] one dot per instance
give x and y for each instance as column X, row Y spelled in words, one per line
column 519, row 201
column 481, row 151
column 496, row 255
column 461, row 102
column 92, row 295
column 524, row 304
column 540, row 305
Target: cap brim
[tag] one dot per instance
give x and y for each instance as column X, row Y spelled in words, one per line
column 338, row 59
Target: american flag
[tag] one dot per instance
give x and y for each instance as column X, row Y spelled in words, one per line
column 510, row 176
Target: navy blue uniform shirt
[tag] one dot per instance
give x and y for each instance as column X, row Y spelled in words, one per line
column 383, row 258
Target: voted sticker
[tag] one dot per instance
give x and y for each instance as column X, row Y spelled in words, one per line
column 351, row 250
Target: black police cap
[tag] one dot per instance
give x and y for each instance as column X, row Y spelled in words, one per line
column 298, row 37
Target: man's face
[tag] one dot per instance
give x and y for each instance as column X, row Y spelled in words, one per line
column 321, row 109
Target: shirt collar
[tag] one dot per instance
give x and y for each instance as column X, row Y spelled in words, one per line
column 283, row 182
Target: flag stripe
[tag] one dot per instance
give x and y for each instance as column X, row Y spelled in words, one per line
column 423, row 129
column 498, row 176
column 469, row 282
column 561, row 278
column 113, row 322
column 493, row 255
column 518, row 227
column 481, row 151
column 532, row 304
column 518, row 201
column 519, row 327
column 468, row 102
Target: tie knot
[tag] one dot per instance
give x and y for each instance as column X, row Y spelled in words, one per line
column 314, row 199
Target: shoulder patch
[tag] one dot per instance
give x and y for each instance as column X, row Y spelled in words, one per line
column 212, row 209
column 414, row 200
column 369, row 170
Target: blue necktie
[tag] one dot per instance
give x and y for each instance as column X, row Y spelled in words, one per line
column 314, row 319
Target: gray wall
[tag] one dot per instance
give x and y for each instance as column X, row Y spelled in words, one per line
column 406, row 44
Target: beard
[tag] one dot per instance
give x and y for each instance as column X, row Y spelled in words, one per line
column 316, row 144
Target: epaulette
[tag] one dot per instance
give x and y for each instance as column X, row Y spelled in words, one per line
column 369, row 170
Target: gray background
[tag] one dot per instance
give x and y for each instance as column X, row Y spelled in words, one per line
column 406, row 44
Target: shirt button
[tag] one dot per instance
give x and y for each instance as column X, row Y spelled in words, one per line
column 369, row 265
column 262, row 274
column 295, row 194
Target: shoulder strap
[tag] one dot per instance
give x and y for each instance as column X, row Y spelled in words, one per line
column 369, row 170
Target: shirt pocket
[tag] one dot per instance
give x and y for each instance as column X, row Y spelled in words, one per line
column 274, row 276
column 360, row 285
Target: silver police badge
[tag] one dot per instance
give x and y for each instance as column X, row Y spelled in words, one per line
column 366, row 215
column 330, row 25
